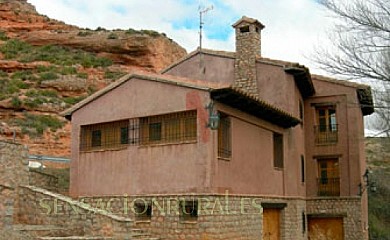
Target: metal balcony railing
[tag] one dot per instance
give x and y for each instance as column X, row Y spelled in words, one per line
column 328, row 186
column 326, row 134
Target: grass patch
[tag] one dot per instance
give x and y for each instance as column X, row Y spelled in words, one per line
column 62, row 56
column 44, row 76
column 113, row 75
column 73, row 100
column 35, row 125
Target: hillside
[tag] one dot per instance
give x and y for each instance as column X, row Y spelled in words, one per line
column 378, row 159
column 47, row 65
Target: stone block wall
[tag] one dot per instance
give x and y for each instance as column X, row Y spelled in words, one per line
column 13, row 172
column 350, row 208
column 43, row 180
column 219, row 216
column 40, row 207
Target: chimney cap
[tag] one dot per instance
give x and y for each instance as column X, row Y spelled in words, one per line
column 250, row 21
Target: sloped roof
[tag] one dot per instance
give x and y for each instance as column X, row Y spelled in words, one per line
column 225, row 93
column 363, row 92
column 301, row 73
column 169, row 79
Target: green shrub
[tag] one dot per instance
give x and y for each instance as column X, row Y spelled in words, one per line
column 113, row 75
column 151, row 33
column 84, row 33
column 3, row 36
column 35, row 125
column 50, row 68
column 68, row 70
column 131, row 31
column 3, row 74
column 23, row 75
column 112, row 36
column 13, row 48
column 48, row 76
column 82, row 75
column 73, row 100
column 19, row 84
column 98, row 29
column 16, row 102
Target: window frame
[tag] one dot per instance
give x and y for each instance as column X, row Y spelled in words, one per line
column 173, row 128
column 224, row 137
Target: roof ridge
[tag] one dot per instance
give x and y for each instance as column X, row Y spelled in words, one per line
column 340, row 81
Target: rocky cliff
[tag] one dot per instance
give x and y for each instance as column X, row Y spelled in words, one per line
column 47, row 65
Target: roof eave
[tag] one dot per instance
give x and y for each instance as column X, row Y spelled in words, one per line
column 303, row 80
column 253, row 106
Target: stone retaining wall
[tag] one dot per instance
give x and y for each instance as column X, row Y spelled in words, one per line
column 219, row 216
column 13, row 172
column 40, row 207
column 350, row 208
column 43, row 180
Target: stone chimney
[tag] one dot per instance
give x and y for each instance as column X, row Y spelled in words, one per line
column 248, row 46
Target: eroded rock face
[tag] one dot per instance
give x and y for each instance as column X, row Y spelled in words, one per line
column 129, row 51
column 151, row 52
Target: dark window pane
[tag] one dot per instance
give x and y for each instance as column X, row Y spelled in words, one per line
column 155, row 131
column 96, row 138
column 124, row 135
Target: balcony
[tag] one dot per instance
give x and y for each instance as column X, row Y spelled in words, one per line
column 326, row 134
column 328, row 186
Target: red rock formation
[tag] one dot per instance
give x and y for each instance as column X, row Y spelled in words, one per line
column 129, row 51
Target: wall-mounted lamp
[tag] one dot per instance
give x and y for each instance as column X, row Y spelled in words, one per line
column 367, row 184
column 213, row 122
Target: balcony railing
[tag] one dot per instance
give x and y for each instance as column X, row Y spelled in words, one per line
column 328, row 186
column 326, row 134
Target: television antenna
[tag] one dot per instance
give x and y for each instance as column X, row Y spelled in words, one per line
column 202, row 11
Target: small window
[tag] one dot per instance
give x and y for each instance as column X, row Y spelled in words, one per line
column 143, row 210
column 278, row 150
column 169, row 128
column 302, row 168
column 327, row 127
column 155, row 132
column 189, row 210
column 103, row 136
column 96, row 140
column 125, row 135
column 244, row 29
column 303, row 222
column 300, row 110
column 224, row 137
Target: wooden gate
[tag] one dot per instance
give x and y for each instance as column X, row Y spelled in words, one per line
column 329, row 228
column 271, row 224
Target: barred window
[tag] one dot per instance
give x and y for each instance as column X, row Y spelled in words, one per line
column 168, row 128
column 104, row 135
column 224, row 137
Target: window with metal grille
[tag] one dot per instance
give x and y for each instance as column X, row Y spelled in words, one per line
column 224, row 137
column 168, row 128
column 328, row 181
column 189, row 210
column 278, row 150
column 104, row 135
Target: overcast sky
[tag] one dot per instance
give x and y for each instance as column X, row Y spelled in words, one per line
column 293, row 27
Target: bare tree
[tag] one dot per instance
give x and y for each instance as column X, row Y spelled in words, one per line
column 361, row 38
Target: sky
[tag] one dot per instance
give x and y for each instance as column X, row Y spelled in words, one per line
column 294, row 28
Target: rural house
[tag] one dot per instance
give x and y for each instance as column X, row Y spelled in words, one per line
column 227, row 145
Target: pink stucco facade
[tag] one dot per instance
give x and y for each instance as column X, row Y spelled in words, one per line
column 286, row 103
